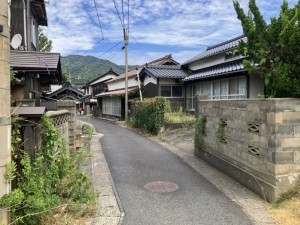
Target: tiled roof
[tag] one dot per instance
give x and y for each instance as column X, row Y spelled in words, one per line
column 34, row 60
column 221, row 69
column 116, row 92
column 122, row 76
column 165, row 71
column 159, row 61
column 110, row 71
column 162, row 60
column 222, row 47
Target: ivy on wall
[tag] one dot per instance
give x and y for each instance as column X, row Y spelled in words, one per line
column 200, row 130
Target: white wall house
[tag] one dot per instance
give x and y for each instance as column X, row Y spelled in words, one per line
column 219, row 73
column 112, row 101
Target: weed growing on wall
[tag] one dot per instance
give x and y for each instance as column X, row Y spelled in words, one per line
column 88, row 129
column 149, row 115
column 221, row 124
column 49, row 181
column 199, row 130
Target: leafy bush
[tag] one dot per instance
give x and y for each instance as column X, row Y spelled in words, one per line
column 50, row 181
column 149, row 114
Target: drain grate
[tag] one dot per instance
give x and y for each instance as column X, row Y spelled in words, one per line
column 161, row 186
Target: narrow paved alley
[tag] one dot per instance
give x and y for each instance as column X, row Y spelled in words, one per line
column 187, row 199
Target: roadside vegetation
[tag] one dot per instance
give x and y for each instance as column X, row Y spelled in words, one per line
column 49, row 187
column 286, row 210
column 88, row 130
column 273, row 53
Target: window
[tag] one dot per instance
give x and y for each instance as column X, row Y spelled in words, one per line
column 234, row 88
column 171, row 91
column 165, row 91
column 111, row 106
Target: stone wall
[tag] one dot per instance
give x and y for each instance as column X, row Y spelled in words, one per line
column 260, row 145
column 64, row 121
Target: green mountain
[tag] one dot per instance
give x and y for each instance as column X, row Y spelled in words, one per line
column 86, row 68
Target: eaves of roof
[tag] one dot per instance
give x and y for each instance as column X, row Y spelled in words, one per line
column 65, row 88
column 217, row 49
column 165, row 71
column 110, row 71
column 219, row 70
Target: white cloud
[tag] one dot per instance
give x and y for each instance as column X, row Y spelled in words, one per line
column 73, row 24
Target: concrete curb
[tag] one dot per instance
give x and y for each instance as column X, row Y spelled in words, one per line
column 109, row 208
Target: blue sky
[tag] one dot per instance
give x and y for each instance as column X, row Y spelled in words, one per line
column 183, row 28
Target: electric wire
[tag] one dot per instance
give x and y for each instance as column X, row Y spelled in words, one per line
column 83, row 53
column 99, row 19
column 118, row 14
column 128, row 16
column 109, row 49
column 123, row 17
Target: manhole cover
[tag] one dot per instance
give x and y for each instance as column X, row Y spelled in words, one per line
column 161, row 186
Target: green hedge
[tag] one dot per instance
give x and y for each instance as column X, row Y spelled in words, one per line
column 149, row 115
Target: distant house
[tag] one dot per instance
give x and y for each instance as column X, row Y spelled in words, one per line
column 112, row 101
column 165, row 81
column 93, row 88
column 66, row 92
column 219, row 73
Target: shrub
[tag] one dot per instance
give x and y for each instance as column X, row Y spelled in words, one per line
column 149, row 114
column 49, row 181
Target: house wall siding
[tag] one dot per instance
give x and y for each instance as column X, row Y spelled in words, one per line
column 207, row 62
column 120, row 84
column 150, row 79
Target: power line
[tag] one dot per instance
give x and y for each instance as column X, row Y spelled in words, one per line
column 97, row 43
column 99, row 19
column 118, row 14
column 123, row 12
column 110, row 49
column 128, row 16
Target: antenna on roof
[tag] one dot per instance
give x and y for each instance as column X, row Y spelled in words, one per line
column 16, row 41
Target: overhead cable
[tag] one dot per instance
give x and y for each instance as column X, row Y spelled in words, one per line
column 118, row 14
column 99, row 19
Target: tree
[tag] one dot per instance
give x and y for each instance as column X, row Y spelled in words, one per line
column 65, row 76
column 45, row 45
column 273, row 49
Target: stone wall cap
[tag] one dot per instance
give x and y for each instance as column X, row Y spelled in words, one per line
column 57, row 113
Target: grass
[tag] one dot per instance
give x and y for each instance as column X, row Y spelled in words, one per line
column 72, row 215
column 88, row 129
column 286, row 210
column 179, row 117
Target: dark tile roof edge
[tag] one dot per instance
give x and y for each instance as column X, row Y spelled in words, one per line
column 225, row 42
column 213, row 50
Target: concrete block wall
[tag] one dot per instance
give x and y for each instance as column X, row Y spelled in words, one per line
column 69, row 105
column 260, row 146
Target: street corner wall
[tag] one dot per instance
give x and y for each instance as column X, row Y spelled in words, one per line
column 259, row 145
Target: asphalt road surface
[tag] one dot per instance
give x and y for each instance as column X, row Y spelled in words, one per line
column 135, row 161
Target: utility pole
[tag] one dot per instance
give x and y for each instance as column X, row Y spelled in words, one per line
column 5, row 119
column 125, row 31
